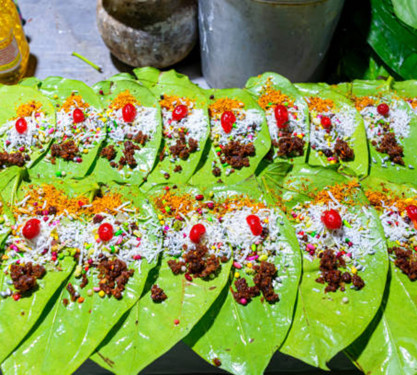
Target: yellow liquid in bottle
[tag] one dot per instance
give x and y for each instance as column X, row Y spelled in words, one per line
column 14, row 48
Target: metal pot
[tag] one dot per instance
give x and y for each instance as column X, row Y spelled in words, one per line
column 157, row 33
column 243, row 38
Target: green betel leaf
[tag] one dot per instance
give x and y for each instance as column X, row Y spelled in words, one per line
column 270, row 90
column 249, row 138
column 393, row 41
column 153, row 327
column 391, row 137
column 342, row 139
column 184, row 139
column 325, row 323
column 85, row 136
column 147, row 76
column 131, row 148
column 20, row 313
column 38, row 117
column 388, row 346
column 406, row 11
column 241, row 339
column 81, row 324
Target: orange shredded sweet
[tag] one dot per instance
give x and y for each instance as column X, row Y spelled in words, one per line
column 412, row 102
column 320, row 105
column 79, row 205
column 26, row 110
column 169, row 102
column 173, row 205
column 221, row 105
column 362, row 102
column 341, row 192
column 388, row 198
column 74, row 100
column 122, row 99
column 271, row 97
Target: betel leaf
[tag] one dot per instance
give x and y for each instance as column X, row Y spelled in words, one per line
column 172, row 83
column 388, row 346
column 406, row 89
column 145, row 157
column 406, row 11
column 18, row 317
column 393, row 41
column 79, row 327
column 357, row 140
column 147, row 76
column 244, row 338
column 13, row 96
column 406, row 173
column 256, row 86
column 151, row 329
column 58, row 90
column 262, row 143
column 325, row 323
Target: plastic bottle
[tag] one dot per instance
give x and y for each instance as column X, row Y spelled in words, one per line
column 14, row 48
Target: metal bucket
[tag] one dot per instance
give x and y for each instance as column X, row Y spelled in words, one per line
column 243, row 38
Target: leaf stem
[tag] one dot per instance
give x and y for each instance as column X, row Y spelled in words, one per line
column 81, row 57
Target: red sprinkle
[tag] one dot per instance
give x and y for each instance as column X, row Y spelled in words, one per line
column 199, row 197
column 176, row 321
column 188, row 277
column 16, row 296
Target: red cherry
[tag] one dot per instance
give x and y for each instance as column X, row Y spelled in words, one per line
column 78, row 116
column 254, row 224
column 179, row 112
column 21, row 125
column 326, row 123
column 129, row 112
column 31, row 229
column 412, row 212
column 383, row 109
column 281, row 115
column 331, row 219
column 105, row 232
column 197, row 232
column 227, row 121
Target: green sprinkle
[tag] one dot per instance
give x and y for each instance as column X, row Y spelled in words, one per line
column 313, row 234
column 253, row 247
column 168, row 209
column 347, row 224
column 58, row 174
column 112, row 249
column 118, row 233
column 115, row 123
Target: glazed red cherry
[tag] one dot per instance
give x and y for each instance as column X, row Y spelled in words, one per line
column 105, row 232
column 197, row 232
column 326, row 123
column 21, row 125
column 281, row 115
column 129, row 112
column 254, row 224
column 179, row 112
column 331, row 219
column 78, row 116
column 412, row 212
column 31, row 229
column 227, row 121
column 383, row 109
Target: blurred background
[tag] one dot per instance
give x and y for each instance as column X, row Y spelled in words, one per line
column 221, row 43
